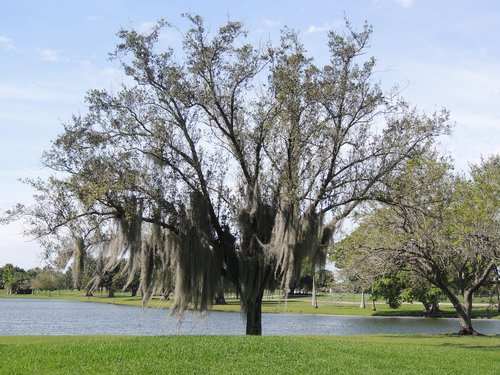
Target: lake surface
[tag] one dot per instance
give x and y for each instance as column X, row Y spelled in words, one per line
column 53, row 317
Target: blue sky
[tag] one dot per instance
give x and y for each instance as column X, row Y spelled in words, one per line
column 442, row 53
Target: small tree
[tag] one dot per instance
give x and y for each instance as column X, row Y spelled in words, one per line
column 48, row 280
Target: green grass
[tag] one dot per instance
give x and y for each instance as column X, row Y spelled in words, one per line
column 336, row 304
column 249, row 355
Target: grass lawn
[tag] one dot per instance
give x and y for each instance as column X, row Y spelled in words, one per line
column 328, row 304
column 249, row 355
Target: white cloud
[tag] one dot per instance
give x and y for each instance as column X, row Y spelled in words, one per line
column 313, row 29
column 48, row 54
column 145, row 26
column 6, row 43
column 37, row 92
column 403, row 3
column 271, row 23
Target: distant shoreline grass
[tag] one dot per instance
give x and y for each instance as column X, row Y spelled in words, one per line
column 394, row 354
column 328, row 304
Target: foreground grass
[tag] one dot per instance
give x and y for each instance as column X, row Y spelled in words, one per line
column 328, row 304
column 249, row 355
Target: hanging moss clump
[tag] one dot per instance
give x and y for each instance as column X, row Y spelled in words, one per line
column 78, row 262
column 198, row 269
column 293, row 239
column 157, row 252
column 255, row 221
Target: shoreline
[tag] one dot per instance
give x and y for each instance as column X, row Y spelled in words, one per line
column 294, row 305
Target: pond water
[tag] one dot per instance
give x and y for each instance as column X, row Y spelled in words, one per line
column 54, row 317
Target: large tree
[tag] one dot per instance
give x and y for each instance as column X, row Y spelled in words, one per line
column 226, row 162
column 444, row 227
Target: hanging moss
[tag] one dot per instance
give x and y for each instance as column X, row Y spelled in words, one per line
column 198, row 269
column 293, row 239
column 78, row 262
column 255, row 262
column 128, row 239
column 157, row 252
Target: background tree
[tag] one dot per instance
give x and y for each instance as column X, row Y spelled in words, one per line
column 444, row 227
column 48, row 280
column 225, row 161
column 406, row 286
column 14, row 278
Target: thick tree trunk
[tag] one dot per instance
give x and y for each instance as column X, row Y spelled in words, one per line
column 254, row 317
column 466, row 316
column 220, row 299
column 464, row 310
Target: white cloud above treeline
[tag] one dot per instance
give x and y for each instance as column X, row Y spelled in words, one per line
column 6, row 42
column 327, row 26
column 48, row 54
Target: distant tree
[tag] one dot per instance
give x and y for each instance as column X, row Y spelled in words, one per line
column 14, row 278
column 405, row 286
column 326, row 280
column 419, row 289
column 48, row 280
column 389, row 288
column 445, row 228
column 106, row 276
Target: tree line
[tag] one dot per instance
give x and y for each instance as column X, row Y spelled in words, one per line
column 16, row 280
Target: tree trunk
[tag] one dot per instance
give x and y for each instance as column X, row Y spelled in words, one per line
column 374, row 307
column 254, row 317
column 314, row 301
column 465, row 314
column 220, row 299
column 133, row 292
column 464, row 310
column 498, row 290
column 434, row 310
column 362, row 303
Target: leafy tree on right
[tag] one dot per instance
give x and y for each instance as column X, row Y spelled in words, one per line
column 442, row 226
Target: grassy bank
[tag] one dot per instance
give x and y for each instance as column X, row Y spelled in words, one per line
column 334, row 304
column 250, row 355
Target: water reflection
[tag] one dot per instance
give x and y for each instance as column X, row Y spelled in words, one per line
column 49, row 317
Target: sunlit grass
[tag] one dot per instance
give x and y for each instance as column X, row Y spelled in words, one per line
column 250, row 355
